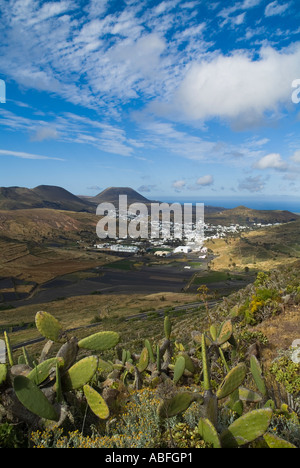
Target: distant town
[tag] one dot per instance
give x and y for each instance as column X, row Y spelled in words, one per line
column 167, row 246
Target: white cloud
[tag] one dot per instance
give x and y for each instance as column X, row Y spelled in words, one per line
column 296, row 157
column 252, row 184
column 18, row 154
column 275, row 8
column 179, row 185
column 72, row 128
column 205, row 180
column 45, row 133
column 271, row 161
column 237, row 87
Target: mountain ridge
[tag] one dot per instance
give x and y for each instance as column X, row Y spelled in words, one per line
column 57, row 198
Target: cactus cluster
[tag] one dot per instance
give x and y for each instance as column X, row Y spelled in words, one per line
column 249, row 427
column 42, row 386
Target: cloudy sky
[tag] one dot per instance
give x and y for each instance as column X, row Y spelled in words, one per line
column 177, row 99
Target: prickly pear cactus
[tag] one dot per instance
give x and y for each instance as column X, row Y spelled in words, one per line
column 179, row 369
column 176, row 405
column 100, row 341
column 233, row 380
column 42, row 370
column 3, row 373
column 225, row 333
column 257, row 375
column 247, row 428
column 167, row 327
column 274, row 441
column 189, row 365
column 249, row 395
column 8, row 349
column 33, row 398
column 208, row 432
column 48, row 326
column 80, row 373
column 150, row 351
column 143, row 361
column 96, row 402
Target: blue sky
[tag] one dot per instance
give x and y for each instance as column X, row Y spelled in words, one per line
column 176, row 99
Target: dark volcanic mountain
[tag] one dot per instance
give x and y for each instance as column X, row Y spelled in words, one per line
column 43, row 196
column 111, row 195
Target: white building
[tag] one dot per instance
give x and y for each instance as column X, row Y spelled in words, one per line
column 162, row 253
column 183, row 249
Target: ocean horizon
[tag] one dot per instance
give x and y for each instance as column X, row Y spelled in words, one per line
column 292, row 205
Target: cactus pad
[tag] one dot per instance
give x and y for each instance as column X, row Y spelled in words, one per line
column 257, row 375
column 247, row 428
column 274, row 441
column 143, row 361
column 179, row 368
column 48, row 326
column 208, row 433
column 3, row 373
column 232, row 381
column 80, row 373
column 176, row 405
column 100, row 341
column 225, row 333
column 42, row 370
column 96, row 402
column 167, row 327
column 33, row 398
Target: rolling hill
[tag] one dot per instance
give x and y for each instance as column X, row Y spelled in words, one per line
column 43, row 196
column 57, row 198
column 247, row 216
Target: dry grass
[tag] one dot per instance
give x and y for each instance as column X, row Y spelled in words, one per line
column 281, row 331
column 82, row 310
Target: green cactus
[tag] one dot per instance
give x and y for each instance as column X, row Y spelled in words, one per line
column 189, row 365
column 80, row 373
column 232, row 381
column 42, row 370
column 143, row 361
column 167, row 327
column 124, row 356
column 3, row 373
column 213, row 332
column 33, row 398
column 224, row 333
column 179, row 369
column 247, row 428
column 257, row 375
column 274, row 441
column 27, row 358
column 104, row 366
column 96, row 402
column 58, row 386
column 178, row 404
column 206, row 376
column 158, row 359
column 100, row 341
column 8, row 349
column 150, row 351
column 48, row 326
column 208, row 432
column 249, row 395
